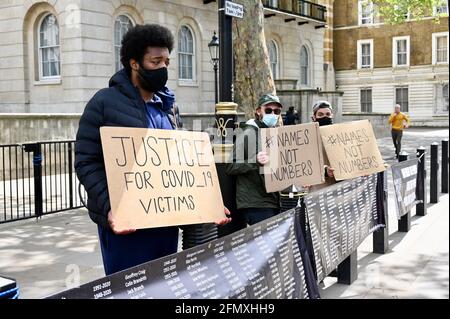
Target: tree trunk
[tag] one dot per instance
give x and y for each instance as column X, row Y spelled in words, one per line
column 253, row 75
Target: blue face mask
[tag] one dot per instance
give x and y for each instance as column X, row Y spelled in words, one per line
column 270, row 120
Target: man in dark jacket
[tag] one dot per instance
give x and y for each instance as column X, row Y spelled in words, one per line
column 291, row 117
column 323, row 115
column 252, row 199
column 133, row 99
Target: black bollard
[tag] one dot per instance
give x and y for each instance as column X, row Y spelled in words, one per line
column 37, row 168
column 434, row 170
column 347, row 271
column 381, row 235
column 421, row 186
column 444, row 169
column 404, row 224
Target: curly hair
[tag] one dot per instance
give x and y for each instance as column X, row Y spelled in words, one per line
column 139, row 38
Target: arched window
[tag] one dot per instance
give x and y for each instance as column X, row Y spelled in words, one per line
column 121, row 26
column 274, row 59
column 304, row 67
column 48, row 46
column 186, row 54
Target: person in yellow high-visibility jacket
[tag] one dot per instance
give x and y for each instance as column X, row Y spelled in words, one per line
column 399, row 121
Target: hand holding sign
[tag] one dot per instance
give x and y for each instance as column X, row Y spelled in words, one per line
column 117, row 230
column 225, row 220
column 262, row 158
column 330, row 171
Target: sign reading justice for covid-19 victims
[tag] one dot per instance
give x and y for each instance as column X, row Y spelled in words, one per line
column 352, row 149
column 160, row 178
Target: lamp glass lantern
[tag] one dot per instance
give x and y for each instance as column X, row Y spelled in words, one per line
column 214, row 48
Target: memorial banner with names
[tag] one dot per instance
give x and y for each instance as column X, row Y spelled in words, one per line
column 352, row 149
column 340, row 217
column 160, row 178
column 268, row 260
column 404, row 175
column 295, row 156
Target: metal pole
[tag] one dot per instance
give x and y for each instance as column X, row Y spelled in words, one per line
column 198, row 234
column 381, row 236
column 404, row 224
column 37, row 164
column 421, row 187
column 35, row 148
column 216, row 89
column 444, row 170
column 225, row 54
column 434, row 167
column 226, row 118
column 69, row 150
column 347, row 271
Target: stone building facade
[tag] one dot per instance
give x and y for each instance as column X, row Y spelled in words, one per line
column 55, row 54
column 378, row 65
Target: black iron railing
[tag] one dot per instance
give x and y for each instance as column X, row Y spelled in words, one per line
column 37, row 179
column 300, row 8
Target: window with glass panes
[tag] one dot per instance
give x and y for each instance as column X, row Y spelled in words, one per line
column 365, row 55
column 366, row 12
column 121, row 27
column 442, row 8
column 48, row 46
column 366, row 100
column 273, row 57
column 441, row 49
column 402, row 52
column 445, row 97
column 185, row 54
column 304, row 66
column 402, row 98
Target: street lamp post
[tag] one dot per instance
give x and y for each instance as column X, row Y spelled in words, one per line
column 198, row 234
column 225, row 119
column 214, row 52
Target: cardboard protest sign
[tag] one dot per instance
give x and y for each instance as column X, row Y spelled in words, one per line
column 160, row 177
column 295, row 156
column 352, row 149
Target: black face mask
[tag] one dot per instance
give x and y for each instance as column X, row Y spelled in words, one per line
column 324, row 121
column 153, row 80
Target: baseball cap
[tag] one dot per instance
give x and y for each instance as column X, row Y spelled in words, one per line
column 269, row 98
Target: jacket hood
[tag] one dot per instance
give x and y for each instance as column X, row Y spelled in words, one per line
column 252, row 123
column 123, row 83
column 167, row 97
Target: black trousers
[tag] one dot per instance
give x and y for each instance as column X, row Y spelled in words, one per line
column 397, row 139
column 256, row 215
